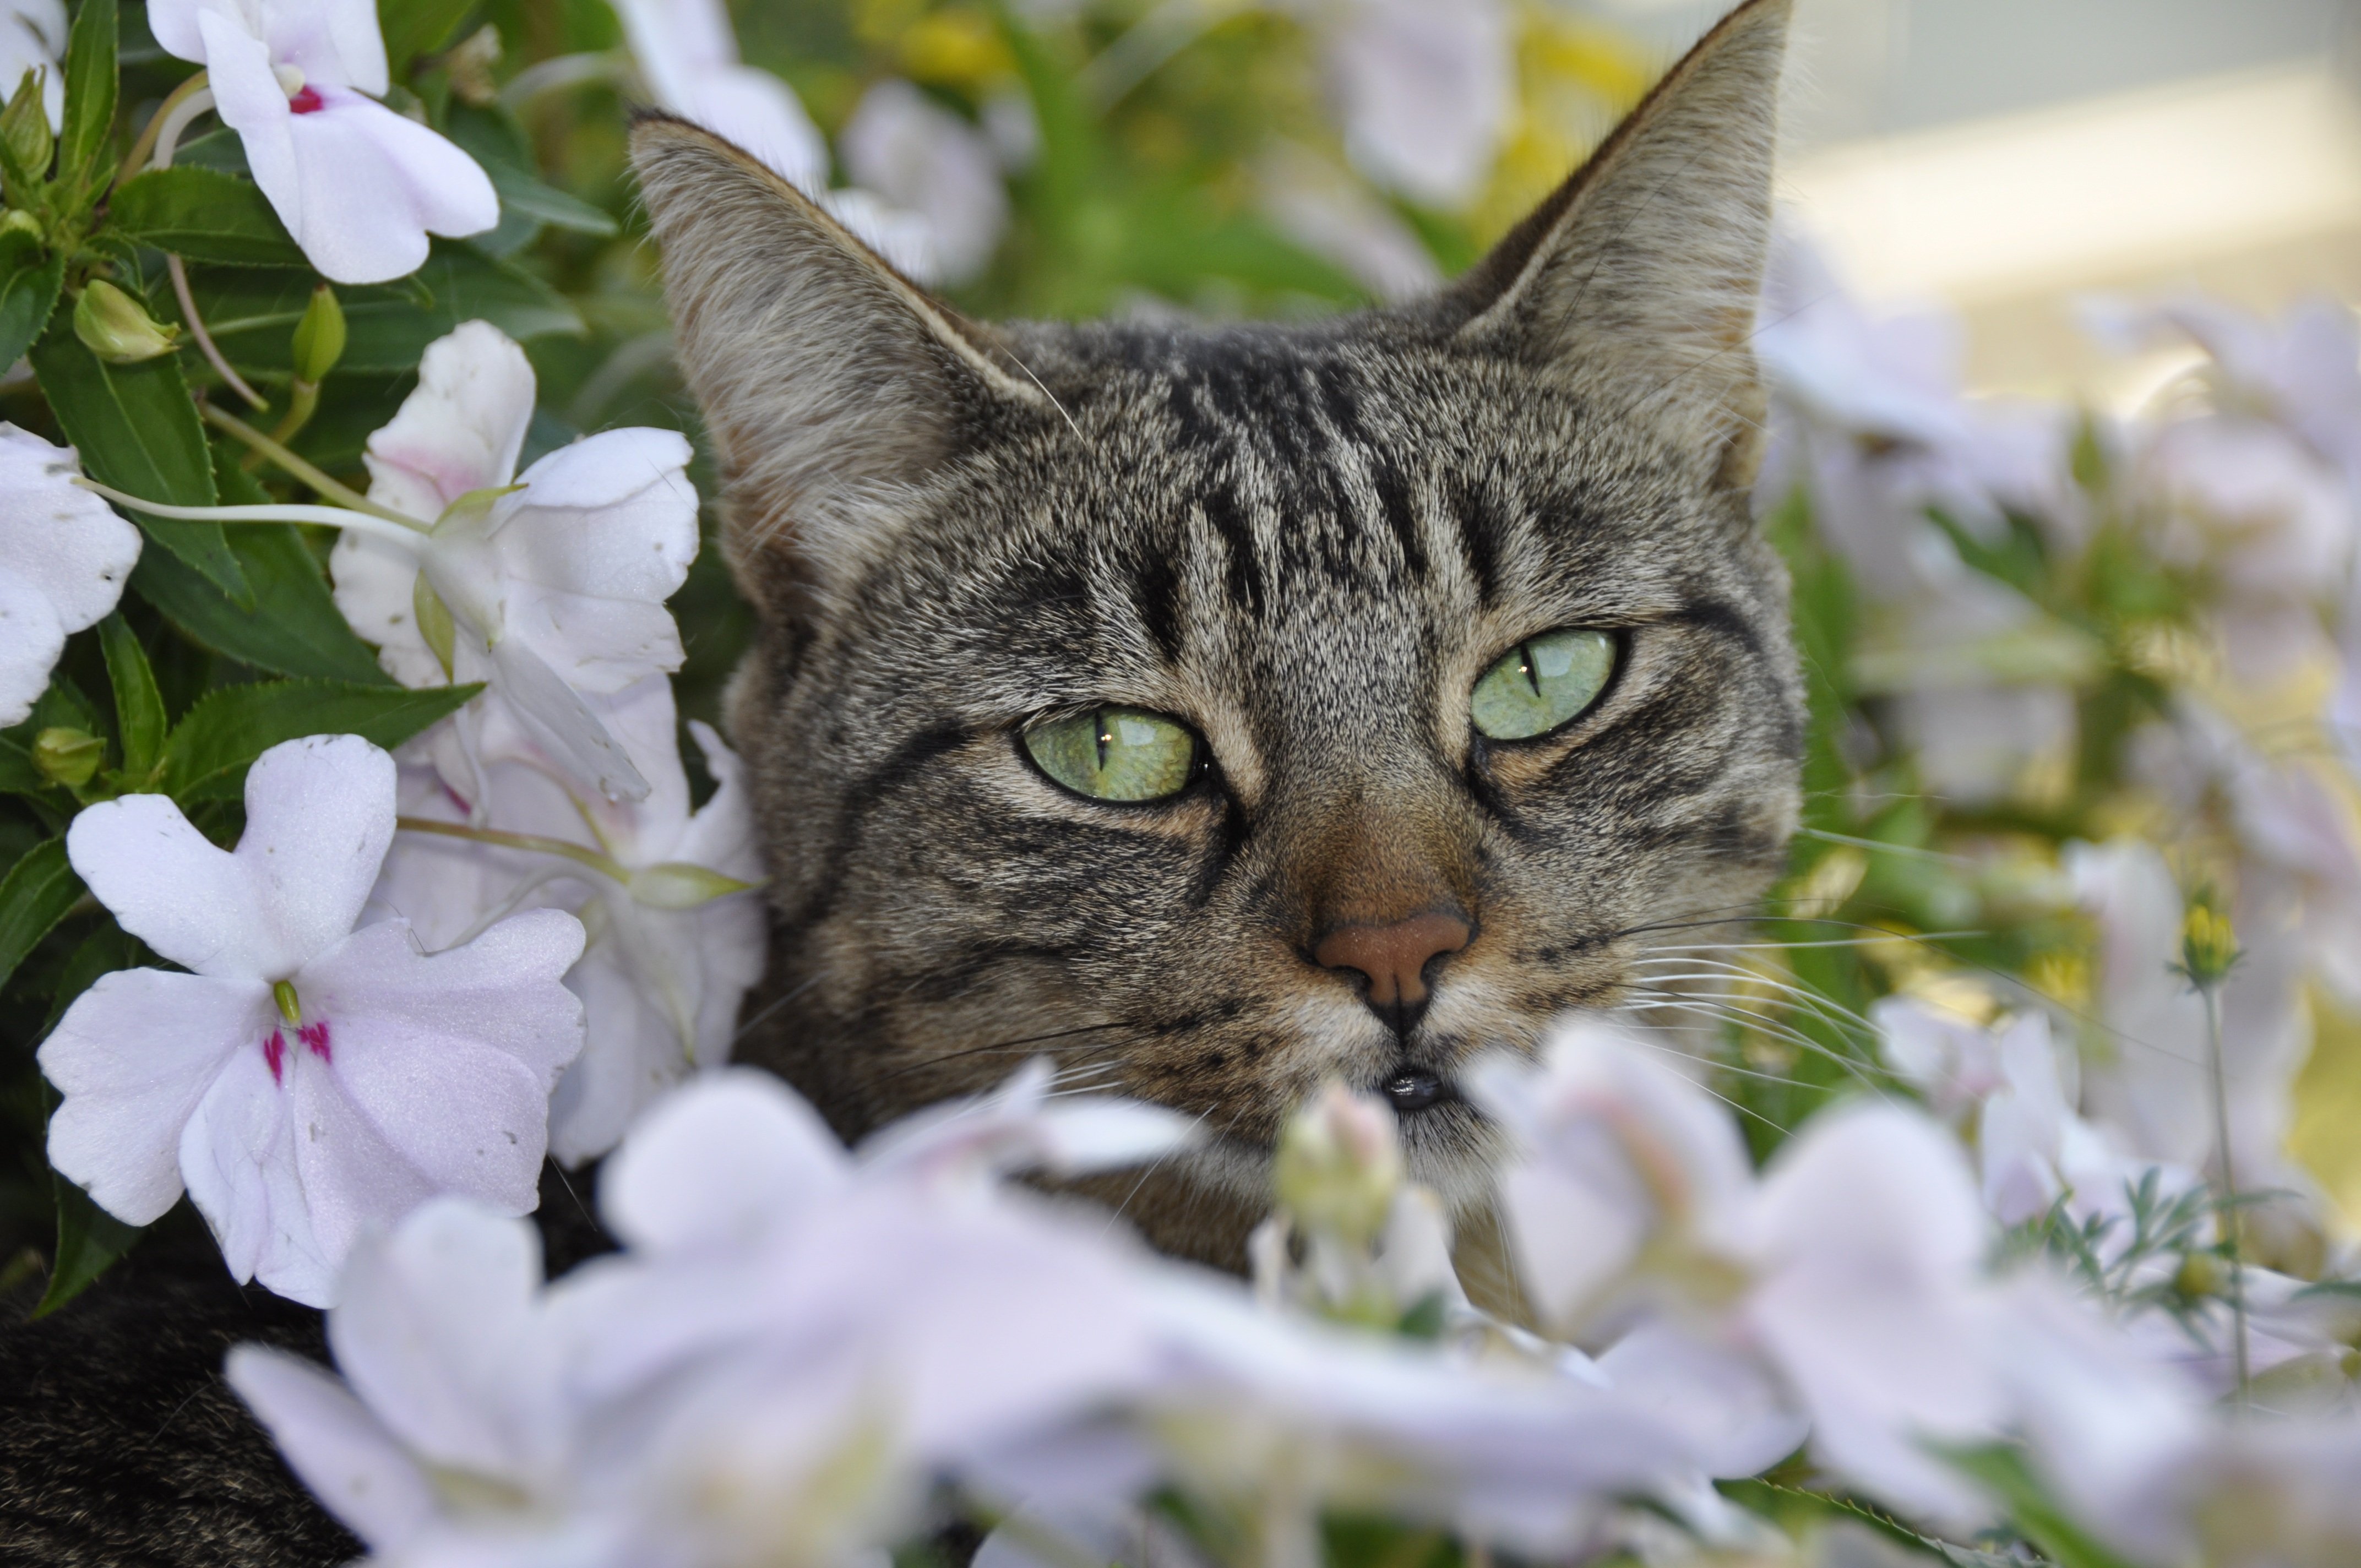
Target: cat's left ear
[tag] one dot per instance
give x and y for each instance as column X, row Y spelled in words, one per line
column 1640, row 275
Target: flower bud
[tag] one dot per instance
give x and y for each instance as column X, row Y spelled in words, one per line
column 24, row 129
column 19, row 220
column 319, row 336
column 2208, row 946
column 1339, row 1166
column 434, row 623
column 677, row 884
column 67, row 757
column 117, row 328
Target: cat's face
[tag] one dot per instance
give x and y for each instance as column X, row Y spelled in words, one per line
column 1221, row 712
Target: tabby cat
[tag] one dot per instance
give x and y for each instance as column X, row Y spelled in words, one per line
column 1217, row 710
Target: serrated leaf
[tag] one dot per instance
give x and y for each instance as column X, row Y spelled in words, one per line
column 89, row 96
column 294, row 628
column 90, row 1240
column 252, row 313
column 34, row 897
column 136, row 428
column 201, row 214
column 207, row 755
column 139, row 722
column 29, row 280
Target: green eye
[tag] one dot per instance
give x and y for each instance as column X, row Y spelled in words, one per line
column 1539, row 683
column 1115, row 754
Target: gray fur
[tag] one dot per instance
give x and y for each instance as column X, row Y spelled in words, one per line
column 1306, row 542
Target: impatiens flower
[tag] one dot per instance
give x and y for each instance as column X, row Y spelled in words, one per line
column 1427, row 90
column 305, row 1080
column 33, row 38
column 358, row 186
column 688, row 57
column 63, row 560
column 676, row 931
column 930, row 162
column 551, row 588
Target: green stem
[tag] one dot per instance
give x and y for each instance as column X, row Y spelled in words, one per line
column 236, row 383
column 2229, row 1189
column 532, row 842
column 302, row 402
column 407, row 534
column 135, row 160
column 343, row 494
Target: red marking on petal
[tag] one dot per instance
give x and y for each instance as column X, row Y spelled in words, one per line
column 274, row 1053
column 316, row 1035
column 307, row 102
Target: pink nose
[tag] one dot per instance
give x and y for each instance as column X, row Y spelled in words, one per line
column 1394, row 958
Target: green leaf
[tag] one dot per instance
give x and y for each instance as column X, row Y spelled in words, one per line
column 34, row 897
column 139, row 722
column 495, row 141
column 294, row 627
column 29, row 280
column 17, row 775
column 207, row 756
column 413, row 28
column 136, row 428
column 252, row 312
column 204, row 216
column 89, row 1241
column 2004, row 1470
column 90, row 97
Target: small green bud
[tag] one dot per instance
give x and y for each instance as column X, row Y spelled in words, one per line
column 117, row 328
column 2208, row 946
column 677, row 884
column 18, row 221
column 319, row 336
column 2200, row 1274
column 1339, row 1166
column 290, row 1006
column 434, row 623
column 67, row 757
column 24, row 129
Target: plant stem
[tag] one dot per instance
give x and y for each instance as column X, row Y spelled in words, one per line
column 2211, row 991
column 534, row 843
column 343, row 494
column 405, row 535
column 136, row 161
column 235, row 383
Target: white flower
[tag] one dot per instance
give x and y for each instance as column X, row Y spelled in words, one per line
column 357, row 185
column 549, row 590
column 63, row 560
column 307, row 1079
column 1324, row 210
column 33, row 38
column 675, row 936
column 927, row 161
column 688, row 57
column 1427, row 90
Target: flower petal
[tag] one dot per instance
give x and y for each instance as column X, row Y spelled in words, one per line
column 132, row 1056
column 335, row 1445
column 563, row 725
column 461, row 429
column 433, row 1319
column 30, row 642
column 63, row 539
column 332, row 42
column 722, row 1161
column 238, row 1157
column 169, row 886
column 319, row 816
column 375, row 588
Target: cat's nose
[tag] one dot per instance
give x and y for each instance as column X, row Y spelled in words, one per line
column 1394, row 960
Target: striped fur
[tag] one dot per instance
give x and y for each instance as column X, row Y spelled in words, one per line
column 1308, row 541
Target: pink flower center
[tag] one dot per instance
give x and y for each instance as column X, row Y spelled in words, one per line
column 306, row 101
column 314, row 1037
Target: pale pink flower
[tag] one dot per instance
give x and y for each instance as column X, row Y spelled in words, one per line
column 64, row 558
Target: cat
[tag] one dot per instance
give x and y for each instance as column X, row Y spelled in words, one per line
column 1217, row 711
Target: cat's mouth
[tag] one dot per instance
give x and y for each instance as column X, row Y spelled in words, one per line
column 1411, row 1090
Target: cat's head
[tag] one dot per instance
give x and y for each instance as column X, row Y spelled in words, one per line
column 1223, row 710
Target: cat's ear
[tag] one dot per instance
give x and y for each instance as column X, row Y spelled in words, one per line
column 828, row 380
column 1642, row 273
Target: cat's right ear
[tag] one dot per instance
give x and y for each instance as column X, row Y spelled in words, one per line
column 827, row 380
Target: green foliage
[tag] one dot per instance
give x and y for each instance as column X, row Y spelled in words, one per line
column 201, row 215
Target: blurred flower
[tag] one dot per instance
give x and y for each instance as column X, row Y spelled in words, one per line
column 551, row 588
column 33, row 38
column 1426, row 89
column 927, row 161
column 358, row 186
column 675, row 934
column 688, row 55
column 1324, row 209
column 306, row 1080
column 63, row 566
